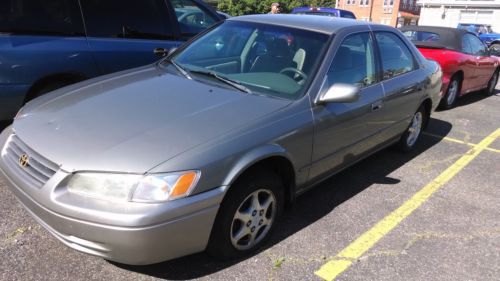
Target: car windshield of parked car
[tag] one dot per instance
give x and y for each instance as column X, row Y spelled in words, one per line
column 265, row 59
column 476, row 28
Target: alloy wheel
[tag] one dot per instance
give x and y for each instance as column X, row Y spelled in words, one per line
column 452, row 92
column 493, row 83
column 414, row 129
column 253, row 219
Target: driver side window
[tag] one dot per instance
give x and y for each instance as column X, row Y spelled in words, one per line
column 478, row 48
column 192, row 19
column 354, row 62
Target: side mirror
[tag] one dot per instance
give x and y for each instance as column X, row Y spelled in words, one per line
column 494, row 51
column 340, row 93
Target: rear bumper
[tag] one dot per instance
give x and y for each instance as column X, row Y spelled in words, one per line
column 164, row 231
column 11, row 99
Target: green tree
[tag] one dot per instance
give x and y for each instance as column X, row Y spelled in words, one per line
column 245, row 7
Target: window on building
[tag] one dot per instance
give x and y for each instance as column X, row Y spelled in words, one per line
column 364, row 2
column 388, row 3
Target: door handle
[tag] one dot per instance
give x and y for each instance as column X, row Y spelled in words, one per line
column 161, row 52
column 377, row 105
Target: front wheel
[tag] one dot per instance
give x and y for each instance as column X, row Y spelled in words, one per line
column 490, row 89
column 247, row 215
column 409, row 139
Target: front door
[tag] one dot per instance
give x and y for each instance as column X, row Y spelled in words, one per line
column 343, row 131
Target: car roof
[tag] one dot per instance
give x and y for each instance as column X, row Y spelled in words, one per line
column 449, row 38
column 328, row 25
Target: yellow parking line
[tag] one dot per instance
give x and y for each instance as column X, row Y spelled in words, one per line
column 459, row 141
column 345, row 258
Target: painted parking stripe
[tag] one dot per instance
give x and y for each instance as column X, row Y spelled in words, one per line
column 349, row 255
column 458, row 141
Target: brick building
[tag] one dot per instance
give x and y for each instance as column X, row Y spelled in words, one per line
column 390, row 12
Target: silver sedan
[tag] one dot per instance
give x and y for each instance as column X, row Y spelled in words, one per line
column 202, row 150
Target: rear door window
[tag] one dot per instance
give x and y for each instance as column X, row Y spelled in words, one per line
column 145, row 19
column 41, row 17
column 395, row 55
column 346, row 14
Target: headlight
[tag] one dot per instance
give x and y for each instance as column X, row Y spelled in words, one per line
column 137, row 188
column 165, row 187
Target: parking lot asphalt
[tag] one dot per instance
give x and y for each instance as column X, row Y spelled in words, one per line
column 452, row 234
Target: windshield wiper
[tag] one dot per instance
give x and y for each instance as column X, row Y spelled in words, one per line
column 179, row 68
column 223, row 79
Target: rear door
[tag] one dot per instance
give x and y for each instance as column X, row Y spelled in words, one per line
column 344, row 131
column 403, row 82
column 124, row 33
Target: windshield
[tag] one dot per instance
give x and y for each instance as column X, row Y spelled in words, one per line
column 266, row 59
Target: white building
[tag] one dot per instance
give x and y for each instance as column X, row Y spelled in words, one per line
column 452, row 12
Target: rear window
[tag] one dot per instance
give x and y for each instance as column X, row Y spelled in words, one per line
column 347, row 15
column 423, row 36
column 317, row 13
column 41, row 17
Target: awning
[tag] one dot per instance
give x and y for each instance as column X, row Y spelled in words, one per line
column 408, row 15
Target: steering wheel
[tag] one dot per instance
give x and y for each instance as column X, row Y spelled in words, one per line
column 294, row 70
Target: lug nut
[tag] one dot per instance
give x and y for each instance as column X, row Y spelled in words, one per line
column 253, row 229
column 261, row 222
column 254, row 213
column 261, row 212
column 249, row 223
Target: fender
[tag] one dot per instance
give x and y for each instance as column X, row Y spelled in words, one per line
column 252, row 157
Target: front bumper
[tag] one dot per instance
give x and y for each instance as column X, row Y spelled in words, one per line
column 132, row 234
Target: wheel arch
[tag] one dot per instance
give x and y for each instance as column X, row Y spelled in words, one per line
column 269, row 157
column 69, row 77
column 427, row 104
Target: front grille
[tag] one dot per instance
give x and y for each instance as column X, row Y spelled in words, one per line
column 38, row 170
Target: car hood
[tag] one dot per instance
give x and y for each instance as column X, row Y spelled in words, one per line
column 134, row 121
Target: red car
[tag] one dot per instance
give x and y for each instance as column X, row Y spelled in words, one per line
column 467, row 63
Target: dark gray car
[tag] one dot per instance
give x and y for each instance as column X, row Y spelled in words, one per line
column 203, row 150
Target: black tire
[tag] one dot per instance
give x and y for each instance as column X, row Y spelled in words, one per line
column 411, row 136
column 450, row 98
column 490, row 89
column 263, row 183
